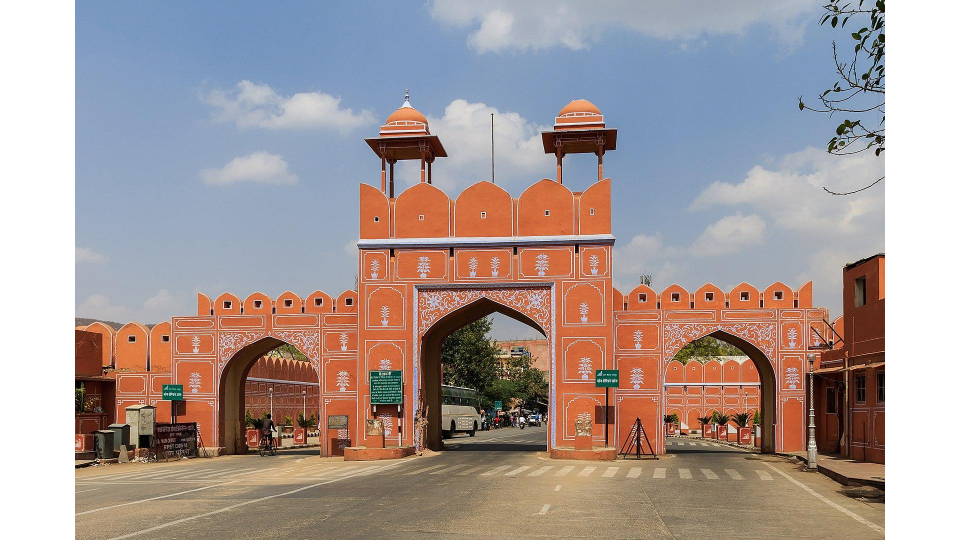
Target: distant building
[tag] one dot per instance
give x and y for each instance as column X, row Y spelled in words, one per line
column 537, row 349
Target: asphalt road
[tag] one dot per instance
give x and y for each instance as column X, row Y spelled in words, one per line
column 497, row 484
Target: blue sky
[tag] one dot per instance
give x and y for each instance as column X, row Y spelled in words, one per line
column 219, row 145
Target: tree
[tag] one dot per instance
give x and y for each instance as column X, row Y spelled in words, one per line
column 468, row 357
column 706, row 348
column 858, row 91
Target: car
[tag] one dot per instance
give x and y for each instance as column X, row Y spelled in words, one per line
column 532, row 420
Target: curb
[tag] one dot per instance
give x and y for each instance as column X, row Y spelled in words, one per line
column 845, row 480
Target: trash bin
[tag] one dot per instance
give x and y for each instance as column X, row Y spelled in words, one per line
column 103, row 443
column 121, row 435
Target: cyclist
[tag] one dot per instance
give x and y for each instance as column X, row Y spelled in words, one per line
column 268, row 427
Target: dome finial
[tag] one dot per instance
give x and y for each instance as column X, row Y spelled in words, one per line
column 406, row 100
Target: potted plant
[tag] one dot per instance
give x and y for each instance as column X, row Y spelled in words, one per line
column 706, row 429
column 757, row 420
column 743, row 430
column 670, row 420
column 720, row 430
column 255, row 431
column 287, row 425
column 300, row 434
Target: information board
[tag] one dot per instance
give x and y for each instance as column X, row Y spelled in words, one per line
column 498, row 405
column 172, row 392
column 337, row 421
column 608, row 378
column 386, row 387
column 176, row 440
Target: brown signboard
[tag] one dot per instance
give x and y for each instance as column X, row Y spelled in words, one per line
column 337, row 421
column 173, row 440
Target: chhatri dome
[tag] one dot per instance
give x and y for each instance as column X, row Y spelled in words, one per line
column 579, row 114
column 405, row 121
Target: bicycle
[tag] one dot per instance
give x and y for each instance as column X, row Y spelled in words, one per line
column 265, row 446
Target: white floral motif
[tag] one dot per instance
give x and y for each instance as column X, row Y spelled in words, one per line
column 307, row 342
column 195, row 342
column 473, row 266
column 423, row 266
column 387, row 424
column 343, row 341
column 495, row 266
column 194, row 382
column 231, row 342
column 636, row 377
column 343, row 380
column 792, row 337
column 374, row 268
column 637, row 339
column 533, row 302
column 594, row 264
column 584, row 310
column 342, row 438
column 543, row 264
column 385, row 364
column 384, row 315
column 763, row 335
column 793, row 377
column 585, row 368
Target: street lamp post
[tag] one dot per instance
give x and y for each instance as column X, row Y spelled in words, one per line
column 304, row 392
column 811, row 427
column 271, row 402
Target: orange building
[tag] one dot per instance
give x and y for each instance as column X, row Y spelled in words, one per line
column 850, row 383
column 429, row 264
column 537, row 349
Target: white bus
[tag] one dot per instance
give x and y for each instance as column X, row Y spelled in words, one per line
column 460, row 410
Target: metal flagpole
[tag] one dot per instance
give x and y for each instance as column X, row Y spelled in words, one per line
column 493, row 178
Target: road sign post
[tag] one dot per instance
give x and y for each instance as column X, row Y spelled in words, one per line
column 172, row 393
column 606, row 379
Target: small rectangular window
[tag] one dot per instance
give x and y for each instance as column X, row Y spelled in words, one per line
column 227, row 304
column 675, row 297
column 778, row 295
column 859, row 291
column 546, row 212
column 483, row 215
column 881, row 387
column 376, row 219
column 349, row 301
column 258, row 304
column 860, row 387
column 831, row 400
column 642, row 297
column 592, row 211
column 318, row 301
column 288, row 303
column 131, row 339
column 165, row 338
column 745, row 296
column 708, row 296
column 421, row 217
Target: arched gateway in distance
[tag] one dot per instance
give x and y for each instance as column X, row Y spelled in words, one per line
column 429, row 264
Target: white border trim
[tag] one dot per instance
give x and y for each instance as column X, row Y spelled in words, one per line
column 492, row 241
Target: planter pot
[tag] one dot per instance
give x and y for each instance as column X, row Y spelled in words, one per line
column 731, row 434
column 744, row 435
column 287, row 430
column 706, row 431
column 721, row 432
column 253, row 438
column 671, row 428
column 300, row 436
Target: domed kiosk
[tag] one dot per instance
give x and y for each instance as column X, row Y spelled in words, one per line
column 579, row 129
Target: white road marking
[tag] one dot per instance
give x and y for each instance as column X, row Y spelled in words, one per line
column 150, row 499
column 764, row 475
column 610, row 472
column 448, row 469
column 495, row 470
column 710, row 474
column 660, row 472
column 679, row 444
column 419, row 471
column 544, row 509
column 86, row 490
column 586, row 472
column 564, row 471
column 557, row 488
column 470, row 470
column 346, row 470
column 685, row 474
column 237, row 505
column 866, row 522
column 733, row 474
column 704, row 444
column 541, row 470
column 230, row 473
column 517, row 471
column 634, row 472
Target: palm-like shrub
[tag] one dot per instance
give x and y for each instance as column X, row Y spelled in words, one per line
column 257, row 423
column 672, row 418
column 720, row 418
column 306, row 423
column 704, row 419
column 742, row 419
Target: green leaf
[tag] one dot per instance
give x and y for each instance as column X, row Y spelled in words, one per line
column 801, row 105
column 856, row 36
column 833, row 23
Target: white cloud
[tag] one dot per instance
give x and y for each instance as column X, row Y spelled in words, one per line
column 158, row 308
column 730, row 234
column 258, row 105
column 464, row 130
column 98, row 306
column 89, row 256
column 502, row 25
column 791, row 194
column 259, row 167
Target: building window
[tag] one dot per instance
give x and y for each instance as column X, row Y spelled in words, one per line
column 859, row 291
column 376, row 219
column 831, row 400
column 288, row 303
column 165, row 338
column 745, row 296
column 708, row 297
column 592, row 211
column 348, row 301
column 421, row 217
column 675, row 297
column 318, row 301
column 881, row 387
column 778, row 295
column 131, row 339
column 642, row 297
column 257, row 304
column 483, row 215
column 860, row 386
column 546, row 212
column 227, row 304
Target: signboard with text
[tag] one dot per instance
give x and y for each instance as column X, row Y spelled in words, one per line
column 176, row 439
column 172, row 392
column 386, row 387
column 607, row 378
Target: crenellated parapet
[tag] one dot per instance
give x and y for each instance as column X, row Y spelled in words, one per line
column 287, row 303
column 710, row 297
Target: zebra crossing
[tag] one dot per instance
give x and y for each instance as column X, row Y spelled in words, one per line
column 692, row 443
column 176, row 475
column 596, row 472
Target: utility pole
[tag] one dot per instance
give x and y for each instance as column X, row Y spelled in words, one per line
column 811, row 428
column 493, row 178
column 271, row 403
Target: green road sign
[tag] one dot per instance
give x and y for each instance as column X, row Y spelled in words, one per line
column 173, row 392
column 386, row 387
column 498, row 405
column 609, row 378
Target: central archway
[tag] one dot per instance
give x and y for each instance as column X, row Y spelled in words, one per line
column 457, row 308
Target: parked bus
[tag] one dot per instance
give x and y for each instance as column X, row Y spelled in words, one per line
column 460, row 410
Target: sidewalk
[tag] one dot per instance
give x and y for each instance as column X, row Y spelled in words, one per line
column 847, row 471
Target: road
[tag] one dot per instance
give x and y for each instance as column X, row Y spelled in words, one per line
column 497, row 484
